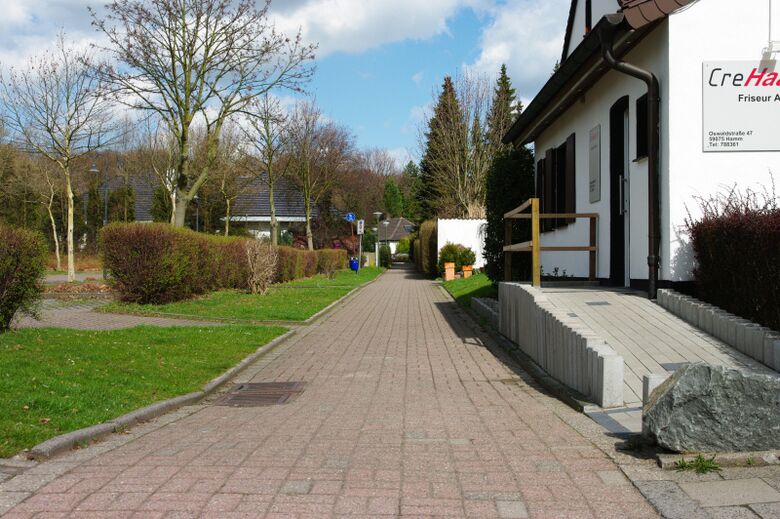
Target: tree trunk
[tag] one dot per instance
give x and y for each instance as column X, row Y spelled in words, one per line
column 54, row 234
column 71, row 250
column 172, row 196
column 180, row 209
column 227, row 216
column 309, row 236
column 274, row 223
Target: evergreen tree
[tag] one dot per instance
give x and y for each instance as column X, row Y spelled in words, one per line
column 510, row 182
column 393, row 199
column 503, row 111
column 410, row 188
column 441, row 137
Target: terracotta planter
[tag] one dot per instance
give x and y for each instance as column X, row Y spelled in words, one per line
column 468, row 270
column 449, row 271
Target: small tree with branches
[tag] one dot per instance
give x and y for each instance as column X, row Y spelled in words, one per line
column 57, row 109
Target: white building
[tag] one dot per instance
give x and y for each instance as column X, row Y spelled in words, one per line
column 719, row 112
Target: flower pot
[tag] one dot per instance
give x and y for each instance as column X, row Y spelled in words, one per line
column 468, row 270
column 449, row 271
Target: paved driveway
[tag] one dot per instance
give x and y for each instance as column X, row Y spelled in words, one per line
column 405, row 413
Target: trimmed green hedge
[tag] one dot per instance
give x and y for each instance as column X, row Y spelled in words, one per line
column 23, row 257
column 158, row 263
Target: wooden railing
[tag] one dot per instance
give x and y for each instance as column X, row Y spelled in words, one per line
column 536, row 248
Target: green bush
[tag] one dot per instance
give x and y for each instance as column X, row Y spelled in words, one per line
column 157, row 263
column 509, row 183
column 385, row 256
column 295, row 264
column 329, row 261
column 450, row 253
column 467, row 257
column 426, row 259
column 403, row 246
column 23, row 257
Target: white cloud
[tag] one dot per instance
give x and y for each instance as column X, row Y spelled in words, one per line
column 418, row 77
column 359, row 25
column 526, row 35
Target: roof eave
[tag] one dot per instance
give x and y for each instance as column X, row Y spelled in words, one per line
column 568, row 83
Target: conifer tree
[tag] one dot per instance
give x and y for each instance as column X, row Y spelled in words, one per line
column 503, row 111
column 394, row 205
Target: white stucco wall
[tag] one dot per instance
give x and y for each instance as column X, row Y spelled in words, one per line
column 709, row 31
column 675, row 52
column 579, row 119
column 598, row 9
column 469, row 233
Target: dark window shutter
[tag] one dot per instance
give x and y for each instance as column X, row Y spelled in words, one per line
column 570, row 182
column 641, row 127
column 548, row 203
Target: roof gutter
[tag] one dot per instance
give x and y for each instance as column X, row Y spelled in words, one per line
column 606, row 37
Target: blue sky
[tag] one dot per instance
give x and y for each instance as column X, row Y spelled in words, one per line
column 379, row 61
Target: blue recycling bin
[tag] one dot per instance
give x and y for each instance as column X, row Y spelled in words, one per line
column 354, row 264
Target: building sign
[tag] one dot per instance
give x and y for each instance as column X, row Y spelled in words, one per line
column 741, row 106
column 594, row 165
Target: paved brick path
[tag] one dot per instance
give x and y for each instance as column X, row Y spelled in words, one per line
column 405, row 413
column 82, row 316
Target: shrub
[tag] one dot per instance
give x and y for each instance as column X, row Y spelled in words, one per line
column 261, row 259
column 152, row 263
column 466, row 257
column 509, row 183
column 331, row 260
column 403, row 246
column 450, row 253
column 23, row 257
column 385, row 256
column 736, row 243
column 295, row 263
column 428, row 248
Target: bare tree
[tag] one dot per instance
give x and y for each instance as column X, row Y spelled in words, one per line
column 205, row 59
column 156, row 150
column 43, row 178
column 265, row 132
column 56, row 108
column 317, row 152
column 379, row 161
column 234, row 174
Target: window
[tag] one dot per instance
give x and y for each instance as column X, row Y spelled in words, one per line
column 641, row 127
column 555, row 184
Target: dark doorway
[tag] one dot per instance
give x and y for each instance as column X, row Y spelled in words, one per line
column 618, row 193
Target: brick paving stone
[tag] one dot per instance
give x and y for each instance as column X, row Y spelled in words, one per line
column 408, row 410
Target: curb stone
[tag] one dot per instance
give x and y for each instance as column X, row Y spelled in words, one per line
column 67, row 441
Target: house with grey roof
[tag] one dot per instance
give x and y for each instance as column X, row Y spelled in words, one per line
column 393, row 230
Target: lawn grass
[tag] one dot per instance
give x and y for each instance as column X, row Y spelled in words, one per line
column 294, row 301
column 463, row 289
column 55, row 380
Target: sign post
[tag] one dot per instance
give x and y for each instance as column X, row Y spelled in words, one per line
column 361, row 227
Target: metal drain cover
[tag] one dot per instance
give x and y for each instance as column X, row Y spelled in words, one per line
column 258, row 394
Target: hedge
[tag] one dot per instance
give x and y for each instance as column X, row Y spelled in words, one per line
column 737, row 257
column 426, row 248
column 158, row 263
column 331, row 260
column 23, row 257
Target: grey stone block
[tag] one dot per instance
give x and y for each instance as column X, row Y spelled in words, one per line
column 649, row 383
column 704, row 408
column 771, row 351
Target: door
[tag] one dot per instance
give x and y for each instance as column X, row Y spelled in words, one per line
column 619, row 274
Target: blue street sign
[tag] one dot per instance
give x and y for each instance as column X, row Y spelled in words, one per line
column 350, row 217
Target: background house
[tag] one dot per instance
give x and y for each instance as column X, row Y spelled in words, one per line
column 392, row 232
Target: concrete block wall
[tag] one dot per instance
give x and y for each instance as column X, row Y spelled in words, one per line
column 487, row 309
column 565, row 348
column 755, row 341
